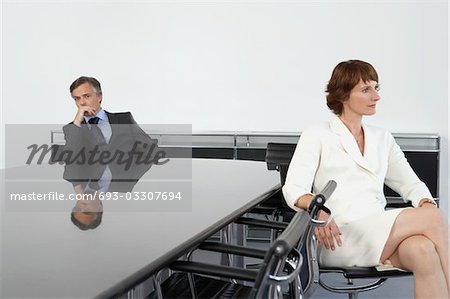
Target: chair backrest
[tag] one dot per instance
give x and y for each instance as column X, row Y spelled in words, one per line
column 286, row 252
column 283, row 252
column 278, row 157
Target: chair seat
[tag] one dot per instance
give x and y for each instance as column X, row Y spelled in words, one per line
column 364, row 272
column 177, row 286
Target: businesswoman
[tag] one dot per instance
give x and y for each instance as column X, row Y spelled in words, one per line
column 361, row 158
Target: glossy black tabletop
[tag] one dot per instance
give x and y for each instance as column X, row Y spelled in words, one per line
column 45, row 256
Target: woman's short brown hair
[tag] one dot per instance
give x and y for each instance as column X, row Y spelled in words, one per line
column 345, row 76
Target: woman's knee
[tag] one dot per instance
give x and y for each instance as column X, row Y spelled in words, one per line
column 419, row 253
column 435, row 221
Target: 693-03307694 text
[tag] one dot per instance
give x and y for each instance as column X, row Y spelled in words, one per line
column 141, row 195
column 129, row 196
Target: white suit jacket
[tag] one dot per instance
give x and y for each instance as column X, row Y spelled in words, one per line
column 329, row 152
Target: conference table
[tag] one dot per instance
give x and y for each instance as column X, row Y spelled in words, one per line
column 45, row 256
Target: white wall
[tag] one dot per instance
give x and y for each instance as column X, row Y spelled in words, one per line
column 226, row 65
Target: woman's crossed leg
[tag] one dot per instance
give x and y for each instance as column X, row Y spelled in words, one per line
column 418, row 242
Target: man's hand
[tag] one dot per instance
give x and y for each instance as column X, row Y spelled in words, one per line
column 328, row 234
column 82, row 111
column 78, row 189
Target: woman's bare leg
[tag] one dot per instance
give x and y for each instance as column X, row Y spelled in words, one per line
column 427, row 222
column 418, row 254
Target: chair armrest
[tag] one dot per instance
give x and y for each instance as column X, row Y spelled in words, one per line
column 214, row 270
column 393, row 202
column 232, row 249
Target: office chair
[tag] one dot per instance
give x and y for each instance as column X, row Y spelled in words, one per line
column 279, row 270
column 278, row 157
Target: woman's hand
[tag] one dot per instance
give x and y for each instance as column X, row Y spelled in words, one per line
column 425, row 202
column 328, row 234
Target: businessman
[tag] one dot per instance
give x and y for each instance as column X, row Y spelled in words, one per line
column 104, row 151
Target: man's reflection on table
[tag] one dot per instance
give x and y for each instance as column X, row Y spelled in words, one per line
column 93, row 181
column 95, row 184
column 88, row 211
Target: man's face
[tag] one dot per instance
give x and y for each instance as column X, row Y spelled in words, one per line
column 86, row 211
column 86, row 95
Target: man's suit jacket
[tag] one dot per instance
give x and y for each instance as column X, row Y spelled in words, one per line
column 329, row 152
column 126, row 136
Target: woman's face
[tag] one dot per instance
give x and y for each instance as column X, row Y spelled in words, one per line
column 363, row 99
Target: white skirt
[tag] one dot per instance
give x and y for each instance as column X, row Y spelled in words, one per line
column 363, row 241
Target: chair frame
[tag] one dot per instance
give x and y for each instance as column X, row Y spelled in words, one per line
column 283, row 255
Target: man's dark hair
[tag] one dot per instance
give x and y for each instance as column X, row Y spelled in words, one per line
column 91, row 80
column 91, row 225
